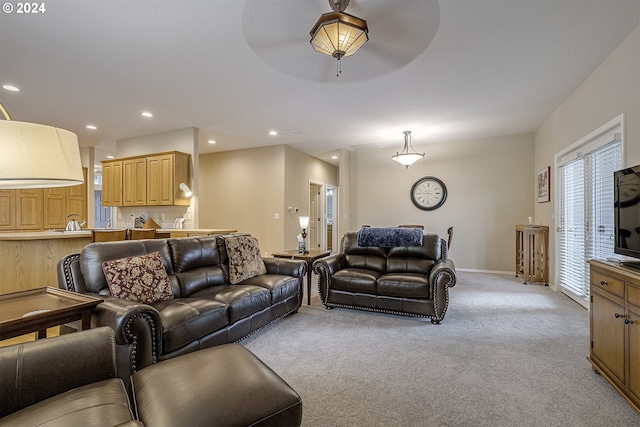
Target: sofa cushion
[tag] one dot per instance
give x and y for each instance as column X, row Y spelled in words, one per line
column 355, row 280
column 245, row 260
column 185, row 320
column 242, row 300
column 104, row 403
column 139, row 278
column 280, row 286
column 405, row 285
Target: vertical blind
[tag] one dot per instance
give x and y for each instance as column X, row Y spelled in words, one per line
column 585, row 196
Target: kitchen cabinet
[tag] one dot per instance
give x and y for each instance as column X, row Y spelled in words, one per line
column 43, row 208
column 165, row 172
column 134, row 182
column 60, row 202
column 615, row 327
column 151, row 180
column 112, row 183
column 7, row 210
column 29, row 212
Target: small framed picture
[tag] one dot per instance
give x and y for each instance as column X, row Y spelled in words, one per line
column 544, row 194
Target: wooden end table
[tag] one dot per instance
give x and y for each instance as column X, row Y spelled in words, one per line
column 35, row 310
column 308, row 257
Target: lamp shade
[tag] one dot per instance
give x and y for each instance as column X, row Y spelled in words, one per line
column 304, row 221
column 36, row 156
column 339, row 34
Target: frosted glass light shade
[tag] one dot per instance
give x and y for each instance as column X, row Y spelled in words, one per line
column 339, row 34
column 36, row 156
column 304, row 221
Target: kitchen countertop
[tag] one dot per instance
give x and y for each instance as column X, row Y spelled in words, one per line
column 46, row 235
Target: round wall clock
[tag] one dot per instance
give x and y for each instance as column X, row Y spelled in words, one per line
column 428, row 193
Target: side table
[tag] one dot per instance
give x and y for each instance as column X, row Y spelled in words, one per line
column 309, row 258
column 35, row 310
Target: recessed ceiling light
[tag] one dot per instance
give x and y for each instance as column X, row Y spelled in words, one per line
column 110, row 157
column 334, row 157
column 211, row 141
column 147, row 114
column 92, row 127
column 11, row 88
column 273, row 133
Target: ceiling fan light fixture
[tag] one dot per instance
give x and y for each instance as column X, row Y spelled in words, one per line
column 339, row 34
column 408, row 155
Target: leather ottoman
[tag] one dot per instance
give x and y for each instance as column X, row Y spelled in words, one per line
column 224, row 385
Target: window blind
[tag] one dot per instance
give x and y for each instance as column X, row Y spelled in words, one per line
column 585, row 209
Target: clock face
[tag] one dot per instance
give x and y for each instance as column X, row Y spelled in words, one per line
column 428, row 193
column 628, row 190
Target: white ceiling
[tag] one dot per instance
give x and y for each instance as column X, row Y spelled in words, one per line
column 236, row 69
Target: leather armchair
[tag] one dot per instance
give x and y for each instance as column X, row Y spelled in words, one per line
column 64, row 381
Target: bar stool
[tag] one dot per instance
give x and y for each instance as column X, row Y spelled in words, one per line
column 108, row 235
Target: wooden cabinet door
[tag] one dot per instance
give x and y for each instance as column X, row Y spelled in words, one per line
column 55, row 209
column 607, row 334
column 160, row 180
column 7, row 210
column 112, row 183
column 76, row 199
column 128, row 183
column 633, row 340
column 29, row 209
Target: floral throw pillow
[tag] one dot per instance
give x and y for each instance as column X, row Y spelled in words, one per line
column 245, row 261
column 140, row 278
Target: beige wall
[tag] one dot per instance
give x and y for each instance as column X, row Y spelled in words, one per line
column 613, row 89
column 300, row 170
column 244, row 189
column 490, row 185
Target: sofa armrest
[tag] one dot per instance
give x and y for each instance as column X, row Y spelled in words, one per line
column 137, row 326
column 443, row 272
column 34, row 371
column 325, row 268
column 288, row 267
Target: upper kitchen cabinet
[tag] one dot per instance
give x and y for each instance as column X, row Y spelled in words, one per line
column 134, row 182
column 151, row 180
column 165, row 172
column 112, row 183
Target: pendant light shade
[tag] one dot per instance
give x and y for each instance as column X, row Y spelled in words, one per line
column 337, row 33
column 408, row 155
column 36, row 156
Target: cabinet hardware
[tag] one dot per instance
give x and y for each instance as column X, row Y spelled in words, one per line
column 618, row 315
column 603, row 282
column 628, row 322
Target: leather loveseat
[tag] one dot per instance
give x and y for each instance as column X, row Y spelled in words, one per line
column 410, row 280
column 205, row 309
column 73, row 380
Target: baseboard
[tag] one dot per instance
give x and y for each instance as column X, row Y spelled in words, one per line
column 473, row 270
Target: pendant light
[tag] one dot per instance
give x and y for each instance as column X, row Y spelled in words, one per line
column 408, row 155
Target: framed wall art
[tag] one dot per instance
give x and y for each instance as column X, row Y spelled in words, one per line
column 544, row 195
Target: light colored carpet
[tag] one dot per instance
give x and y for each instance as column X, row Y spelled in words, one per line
column 506, row 354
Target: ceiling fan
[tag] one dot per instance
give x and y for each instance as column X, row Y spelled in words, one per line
column 278, row 33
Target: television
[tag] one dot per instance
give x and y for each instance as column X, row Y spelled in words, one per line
column 627, row 214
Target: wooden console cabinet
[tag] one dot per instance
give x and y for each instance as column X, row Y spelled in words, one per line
column 615, row 327
column 532, row 253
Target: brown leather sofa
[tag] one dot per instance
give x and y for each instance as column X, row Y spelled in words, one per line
column 73, row 380
column 408, row 280
column 206, row 310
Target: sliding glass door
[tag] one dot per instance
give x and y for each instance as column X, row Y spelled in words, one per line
column 585, row 208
